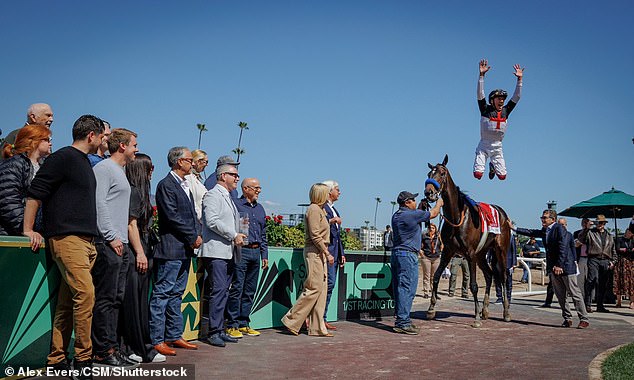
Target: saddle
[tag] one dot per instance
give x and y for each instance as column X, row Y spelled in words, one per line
column 490, row 218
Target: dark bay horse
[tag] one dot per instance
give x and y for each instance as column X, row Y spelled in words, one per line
column 461, row 233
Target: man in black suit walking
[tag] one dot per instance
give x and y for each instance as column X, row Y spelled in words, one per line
column 561, row 264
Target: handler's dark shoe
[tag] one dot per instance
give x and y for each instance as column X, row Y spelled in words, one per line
column 588, row 309
column 567, row 323
column 583, row 325
column 491, row 171
column 602, row 310
column 409, row 330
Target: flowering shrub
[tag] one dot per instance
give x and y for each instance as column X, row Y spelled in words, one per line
column 279, row 235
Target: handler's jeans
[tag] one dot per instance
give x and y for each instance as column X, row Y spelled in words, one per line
column 243, row 286
column 74, row 256
column 404, row 267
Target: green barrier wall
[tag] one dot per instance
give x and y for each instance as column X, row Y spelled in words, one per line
column 30, row 283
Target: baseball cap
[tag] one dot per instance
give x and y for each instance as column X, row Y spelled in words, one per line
column 405, row 195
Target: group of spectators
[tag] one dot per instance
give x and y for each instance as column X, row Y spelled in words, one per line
column 581, row 265
column 90, row 203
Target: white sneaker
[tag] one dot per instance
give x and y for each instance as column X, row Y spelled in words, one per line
column 159, row 358
column 135, row 358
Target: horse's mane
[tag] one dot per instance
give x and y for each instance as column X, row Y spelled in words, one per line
column 464, row 199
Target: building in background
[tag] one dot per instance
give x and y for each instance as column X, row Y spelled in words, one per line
column 371, row 238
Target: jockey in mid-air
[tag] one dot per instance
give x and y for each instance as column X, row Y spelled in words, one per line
column 493, row 123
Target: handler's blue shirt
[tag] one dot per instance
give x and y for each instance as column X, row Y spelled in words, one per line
column 257, row 223
column 407, row 230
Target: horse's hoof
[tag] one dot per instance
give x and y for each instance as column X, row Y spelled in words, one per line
column 485, row 315
column 431, row 314
column 476, row 324
column 507, row 318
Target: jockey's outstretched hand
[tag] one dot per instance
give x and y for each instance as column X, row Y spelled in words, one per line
column 519, row 71
column 484, row 66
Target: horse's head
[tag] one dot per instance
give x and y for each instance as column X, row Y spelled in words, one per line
column 436, row 180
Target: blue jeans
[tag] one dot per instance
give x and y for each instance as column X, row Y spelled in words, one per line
column 332, row 278
column 245, row 281
column 220, row 273
column 404, row 266
column 166, row 320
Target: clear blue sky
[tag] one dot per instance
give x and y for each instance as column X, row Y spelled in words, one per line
column 363, row 92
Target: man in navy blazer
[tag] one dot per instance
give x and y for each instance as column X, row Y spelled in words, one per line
column 336, row 245
column 180, row 234
column 561, row 264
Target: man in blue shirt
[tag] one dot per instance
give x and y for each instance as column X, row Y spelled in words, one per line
column 407, row 238
column 254, row 253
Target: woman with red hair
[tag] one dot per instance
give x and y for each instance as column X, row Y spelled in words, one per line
column 21, row 162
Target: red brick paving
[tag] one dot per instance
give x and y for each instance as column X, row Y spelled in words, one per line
column 532, row 346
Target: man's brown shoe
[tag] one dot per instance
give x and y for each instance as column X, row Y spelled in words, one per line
column 163, row 349
column 182, row 343
column 583, row 325
column 331, row 327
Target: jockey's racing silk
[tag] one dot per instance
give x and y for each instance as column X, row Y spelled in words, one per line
column 493, row 124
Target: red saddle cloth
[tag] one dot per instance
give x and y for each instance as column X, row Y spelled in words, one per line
column 489, row 217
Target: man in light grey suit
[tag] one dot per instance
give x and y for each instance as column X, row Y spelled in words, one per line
column 221, row 248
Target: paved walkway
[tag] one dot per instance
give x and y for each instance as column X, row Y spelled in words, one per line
column 531, row 346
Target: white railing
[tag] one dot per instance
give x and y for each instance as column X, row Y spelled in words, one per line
column 524, row 261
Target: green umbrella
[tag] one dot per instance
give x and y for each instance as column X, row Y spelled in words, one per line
column 613, row 203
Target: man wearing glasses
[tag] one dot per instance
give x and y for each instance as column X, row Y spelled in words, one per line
column 220, row 251
column 601, row 258
column 179, row 232
column 407, row 235
column 561, row 264
column 255, row 253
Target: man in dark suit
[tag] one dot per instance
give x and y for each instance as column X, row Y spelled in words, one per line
column 561, row 264
column 180, row 234
column 336, row 245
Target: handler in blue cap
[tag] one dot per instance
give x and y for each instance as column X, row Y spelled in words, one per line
column 407, row 236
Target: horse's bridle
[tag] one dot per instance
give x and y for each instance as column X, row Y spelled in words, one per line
column 440, row 187
column 439, row 190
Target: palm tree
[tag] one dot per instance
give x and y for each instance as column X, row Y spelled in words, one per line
column 376, row 208
column 393, row 204
column 201, row 129
column 239, row 150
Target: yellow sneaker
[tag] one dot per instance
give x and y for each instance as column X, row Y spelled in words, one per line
column 234, row 333
column 249, row 331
